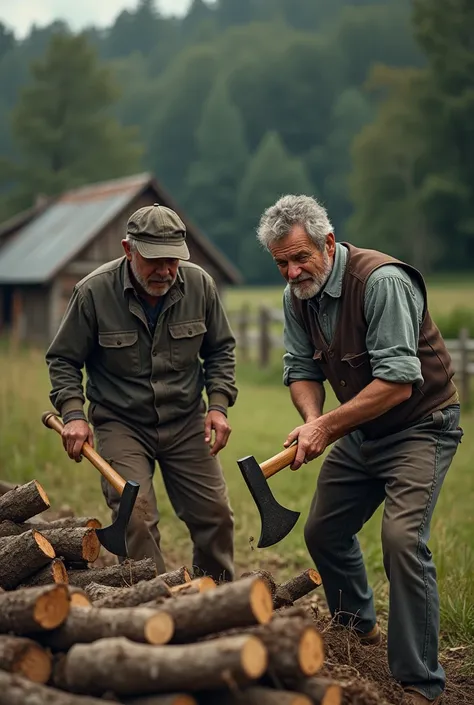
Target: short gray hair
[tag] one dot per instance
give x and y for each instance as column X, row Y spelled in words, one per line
column 132, row 242
column 290, row 210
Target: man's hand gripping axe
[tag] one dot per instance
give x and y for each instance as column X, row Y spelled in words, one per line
column 276, row 521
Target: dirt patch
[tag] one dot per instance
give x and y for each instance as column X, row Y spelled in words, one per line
column 363, row 670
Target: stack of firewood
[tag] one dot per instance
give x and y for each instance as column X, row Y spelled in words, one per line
column 73, row 634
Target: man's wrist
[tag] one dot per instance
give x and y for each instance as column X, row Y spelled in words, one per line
column 74, row 415
column 216, row 407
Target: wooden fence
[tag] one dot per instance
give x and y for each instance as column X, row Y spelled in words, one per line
column 259, row 332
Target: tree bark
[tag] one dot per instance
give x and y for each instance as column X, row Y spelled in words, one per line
column 66, row 523
column 144, row 669
column 143, row 592
column 266, row 576
column 96, row 591
column 256, row 695
column 15, row 690
column 54, row 572
column 80, row 544
column 122, row 575
column 30, row 610
column 176, row 577
column 22, row 556
column 242, row 603
column 86, row 625
column 171, row 699
column 23, row 502
column 25, row 657
column 322, row 691
column 301, row 584
column 9, row 528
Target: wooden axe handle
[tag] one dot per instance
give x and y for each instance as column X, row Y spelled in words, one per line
column 279, row 461
column 118, row 483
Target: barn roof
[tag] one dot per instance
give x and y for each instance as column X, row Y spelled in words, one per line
column 48, row 238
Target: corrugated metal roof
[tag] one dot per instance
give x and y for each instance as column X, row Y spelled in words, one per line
column 52, row 239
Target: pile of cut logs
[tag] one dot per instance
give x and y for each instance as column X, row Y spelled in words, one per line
column 73, row 634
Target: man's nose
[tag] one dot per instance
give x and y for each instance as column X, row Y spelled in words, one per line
column 294, row 270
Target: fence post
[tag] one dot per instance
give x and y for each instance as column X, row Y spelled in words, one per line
column 265, row 343
column 464, row 366
column 243, row 325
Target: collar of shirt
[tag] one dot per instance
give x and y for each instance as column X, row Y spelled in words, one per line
column 333, row 286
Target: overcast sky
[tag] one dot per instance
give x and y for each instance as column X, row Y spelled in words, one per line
column 19, row 15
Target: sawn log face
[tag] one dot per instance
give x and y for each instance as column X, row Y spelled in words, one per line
column 23, row 502
column 29, row 610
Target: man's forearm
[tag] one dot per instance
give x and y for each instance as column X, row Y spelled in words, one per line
column 308, row 397
column 374, row 400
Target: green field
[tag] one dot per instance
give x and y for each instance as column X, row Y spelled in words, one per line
column 260, row 421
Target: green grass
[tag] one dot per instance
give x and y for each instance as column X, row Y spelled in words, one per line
column 260, row 421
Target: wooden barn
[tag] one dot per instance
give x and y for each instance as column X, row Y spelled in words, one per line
column 46, row 250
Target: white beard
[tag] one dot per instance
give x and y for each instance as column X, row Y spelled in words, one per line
column 305, row 286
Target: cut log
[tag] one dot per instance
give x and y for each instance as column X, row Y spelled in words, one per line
column 78, row 596
column 29, row 610
column 83, row 626
column 302, row 584
column 176, row 577
column 23, row 502
column 145, row 591
column 96, row 591
column 266, row 576
column 239, row 604
column 54, row 572
column 282, row 598
column 195, row 586
column 256, row 695
column 125, row 574
column 9, row 528
column 79, row 544
column 171, row 699
column 295, row 647
column 7, row 486
column 144, row 669
column 24, row 555
column 322, row 691
column 25, row 657
column 66, row 523
column 16, row 690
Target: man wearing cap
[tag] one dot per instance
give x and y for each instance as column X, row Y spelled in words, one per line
column 139, row 326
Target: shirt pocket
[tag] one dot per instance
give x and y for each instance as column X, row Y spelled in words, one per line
column 186, row 340
column 120, row 352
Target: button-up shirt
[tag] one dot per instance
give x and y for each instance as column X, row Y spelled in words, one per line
column 393, row 307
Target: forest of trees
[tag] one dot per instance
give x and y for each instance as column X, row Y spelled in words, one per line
column 366, row 104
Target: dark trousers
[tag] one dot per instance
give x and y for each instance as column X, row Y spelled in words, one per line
column 407, row 470
column 194, row 483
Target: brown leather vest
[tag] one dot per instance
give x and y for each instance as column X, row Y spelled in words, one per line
column 346, row 361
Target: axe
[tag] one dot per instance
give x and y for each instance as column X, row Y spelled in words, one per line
column 113, row 537
column 276, row 520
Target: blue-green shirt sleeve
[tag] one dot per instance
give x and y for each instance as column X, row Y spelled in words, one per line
column 298, row 363
column 394, row 309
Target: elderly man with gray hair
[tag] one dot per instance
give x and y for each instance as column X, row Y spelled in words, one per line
column 359, row 319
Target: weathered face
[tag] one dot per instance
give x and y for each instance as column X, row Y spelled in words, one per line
column 155, row 276
column 301, row 263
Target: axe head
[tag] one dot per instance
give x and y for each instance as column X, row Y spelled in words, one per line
column 114, row 537
column 276, row 521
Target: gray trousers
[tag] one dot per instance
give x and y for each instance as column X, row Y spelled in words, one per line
column 407, row 470
column 193, row 480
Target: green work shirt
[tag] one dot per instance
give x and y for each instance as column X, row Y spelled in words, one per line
column 393, row 307
column 144, row 377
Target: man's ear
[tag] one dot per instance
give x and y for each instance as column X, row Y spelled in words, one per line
column 331, row 244
column 127, row 250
